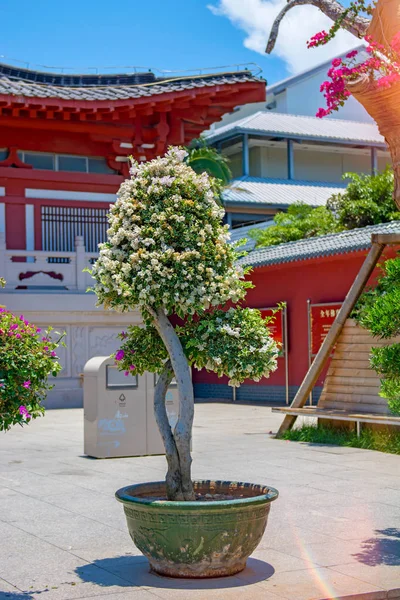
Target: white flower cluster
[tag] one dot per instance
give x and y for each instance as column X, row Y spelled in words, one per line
column 235, row 343
column 166, row 244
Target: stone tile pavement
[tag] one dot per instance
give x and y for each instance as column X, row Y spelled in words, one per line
column 333, row 533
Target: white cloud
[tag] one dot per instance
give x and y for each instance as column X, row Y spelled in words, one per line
column 255, row 18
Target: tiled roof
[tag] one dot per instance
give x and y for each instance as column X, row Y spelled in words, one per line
column 278, row 193
column 325, row 245
column 16, row 87
column 240, row 233
column 300, row 127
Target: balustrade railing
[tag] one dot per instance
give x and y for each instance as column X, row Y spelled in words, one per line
column 46, row 269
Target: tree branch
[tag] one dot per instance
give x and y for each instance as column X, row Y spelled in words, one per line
column 331, row 8
column 173, row 478
column 183, row 429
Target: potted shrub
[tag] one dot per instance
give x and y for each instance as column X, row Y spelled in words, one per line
column 167, row 255
column 27, row 358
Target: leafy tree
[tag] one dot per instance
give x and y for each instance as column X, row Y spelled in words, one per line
column 367, row 200
column 299, row 222
column 378, row 311
column 205, row 159
column 167, row 254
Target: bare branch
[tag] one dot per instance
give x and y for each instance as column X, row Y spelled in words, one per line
column 331, row 8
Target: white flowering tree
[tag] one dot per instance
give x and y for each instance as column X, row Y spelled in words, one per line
column 167, row 254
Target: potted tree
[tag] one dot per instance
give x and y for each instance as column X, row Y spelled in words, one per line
column 27, row 358
column 167, row 255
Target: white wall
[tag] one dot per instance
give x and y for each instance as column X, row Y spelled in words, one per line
column 90, row 331
column 305, row 98
column 301, row 98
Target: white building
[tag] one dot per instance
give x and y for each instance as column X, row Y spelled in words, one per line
column 300, row 95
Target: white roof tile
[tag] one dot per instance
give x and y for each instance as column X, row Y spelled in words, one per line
column 324, row 245
column 278, row 193
column 295, row 126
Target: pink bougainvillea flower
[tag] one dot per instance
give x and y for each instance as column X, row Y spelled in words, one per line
column 119, row 355
column 132, row 367
column 27, row 384
column 352, row 54
column 24, row 412
column 322, row 112
column 318, row 39
column 54, row 353
column 126, row 373
column 46, row 348
column 124, row 335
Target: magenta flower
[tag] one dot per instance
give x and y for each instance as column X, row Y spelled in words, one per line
column 132, row 367
column 24, row 412
column 119, row 355
column 17, row 335
column 38, row 330
column 46, row 348
column 53, row 353
column 124, row 335
column 126, row 373
column 27, row 384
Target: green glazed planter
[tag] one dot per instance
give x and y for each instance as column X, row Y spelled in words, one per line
column 197, row 539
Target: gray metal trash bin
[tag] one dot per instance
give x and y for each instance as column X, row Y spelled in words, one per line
column 118, row 411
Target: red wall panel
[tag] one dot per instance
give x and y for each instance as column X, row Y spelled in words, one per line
column 327, row 279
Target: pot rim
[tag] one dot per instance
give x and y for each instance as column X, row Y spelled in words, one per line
column 125, row 498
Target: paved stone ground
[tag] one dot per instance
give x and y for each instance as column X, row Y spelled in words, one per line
column 333, row 533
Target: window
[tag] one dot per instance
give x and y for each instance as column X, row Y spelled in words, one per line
column 61, row 224
column 38, row 160
column 63, row 162
column 72, row 163
column 99, row 165
column 3, row 153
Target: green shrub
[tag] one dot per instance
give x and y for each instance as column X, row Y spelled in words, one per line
column 378, row 311
column 27, row 358
column 384, row 441
column 367, row 200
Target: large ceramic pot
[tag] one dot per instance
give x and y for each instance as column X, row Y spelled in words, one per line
column 205, row 538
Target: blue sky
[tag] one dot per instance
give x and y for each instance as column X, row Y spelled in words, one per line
column 167, row 34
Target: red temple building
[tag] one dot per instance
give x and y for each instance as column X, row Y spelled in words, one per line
column 65, row 143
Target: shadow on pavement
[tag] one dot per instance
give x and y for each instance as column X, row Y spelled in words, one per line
column 381, row 550
column 15, row 596
column 135, row 571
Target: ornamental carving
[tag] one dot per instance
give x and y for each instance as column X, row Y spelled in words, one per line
column 200, row 520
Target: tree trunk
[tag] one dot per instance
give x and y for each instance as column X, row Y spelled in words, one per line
column 182, row 433
column 173, row 478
